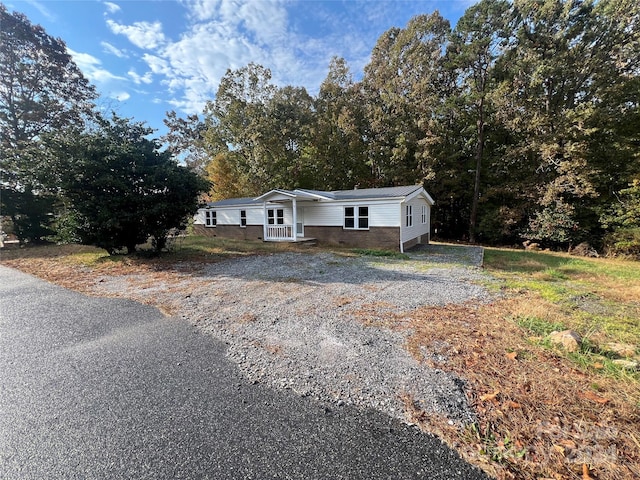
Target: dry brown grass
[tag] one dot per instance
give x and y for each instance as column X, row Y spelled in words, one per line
column 538, row 415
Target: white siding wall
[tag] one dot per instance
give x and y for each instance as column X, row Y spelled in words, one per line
column 255, row 215
column 231, row 215
column 381, row 214
column 198, row 218
column 418, row 228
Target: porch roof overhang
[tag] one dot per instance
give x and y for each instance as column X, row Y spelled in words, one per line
column 279, row 195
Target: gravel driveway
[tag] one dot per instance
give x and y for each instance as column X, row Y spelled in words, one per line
column 311, row 322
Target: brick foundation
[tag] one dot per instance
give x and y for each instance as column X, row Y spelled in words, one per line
column 387, row 238
column 376, row 237
column 250, row 232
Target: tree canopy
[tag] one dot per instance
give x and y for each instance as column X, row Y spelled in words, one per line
column 522, row 120
column 120, row 189
column 42, row 91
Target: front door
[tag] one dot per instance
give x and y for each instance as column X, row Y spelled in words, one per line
column 300, row 222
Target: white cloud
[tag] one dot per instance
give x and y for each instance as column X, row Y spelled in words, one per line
column 138, row 79
column 224, row 34
column 113, row 50
column 112, row 7
column 120, row 96
column 91, row 67
column 156, row 64
column 43, row 10
column 145, row 35
column 229, row 34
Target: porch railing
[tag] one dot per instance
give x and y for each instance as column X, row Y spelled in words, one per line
column 279, row 232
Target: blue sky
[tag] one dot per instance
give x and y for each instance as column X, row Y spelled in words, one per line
column 148, row 57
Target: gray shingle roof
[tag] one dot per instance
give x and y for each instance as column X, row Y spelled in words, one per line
column 386, row 192
column 230, row 202
column 361, row 193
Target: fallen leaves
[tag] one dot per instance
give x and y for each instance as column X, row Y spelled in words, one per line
column 489, row 397
column 594, row 397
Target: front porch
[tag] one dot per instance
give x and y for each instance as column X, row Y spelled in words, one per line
column 284, row 217
column 279, row 233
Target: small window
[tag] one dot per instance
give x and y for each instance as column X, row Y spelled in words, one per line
column 243, row 218
column 210, row 219
column 424, row 214
column 363, row 217
column 356, row 218
column 349, row 217
column 275, row 216
column 409, row 216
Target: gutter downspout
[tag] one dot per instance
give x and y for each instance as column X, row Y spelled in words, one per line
column 295, row 221
column 401, row 244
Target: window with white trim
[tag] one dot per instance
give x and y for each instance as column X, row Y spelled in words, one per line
column 409, row 216
column 243, row 218
column 424, row 214
column 356, row 218
column 275, row 216
column 210, row 218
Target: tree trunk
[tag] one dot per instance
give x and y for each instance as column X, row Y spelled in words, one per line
column 476, row 186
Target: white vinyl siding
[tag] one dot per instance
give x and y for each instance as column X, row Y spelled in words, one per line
column 411, row 227
column 233, row 215
column 321, row 214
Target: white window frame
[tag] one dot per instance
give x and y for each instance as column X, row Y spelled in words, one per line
column 275, row 216
column 359, row 216
column 408, row 216
column 243, row 219
column 424, row 214
column 210, row 218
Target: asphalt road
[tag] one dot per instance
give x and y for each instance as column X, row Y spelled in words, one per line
column 94, row 388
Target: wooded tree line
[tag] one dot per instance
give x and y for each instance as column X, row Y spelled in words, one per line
column 522, row 121
column 67, row 173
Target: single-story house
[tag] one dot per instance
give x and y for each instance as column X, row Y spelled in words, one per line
column 389, row 218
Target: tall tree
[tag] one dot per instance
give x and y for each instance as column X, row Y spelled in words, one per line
column 41, row 91
column 185, row 140
column 339, row 149
column 235, row 121
column 402, row 83
column 285, row 133
column 552, row 69
column 260, row 129
column 477, row 42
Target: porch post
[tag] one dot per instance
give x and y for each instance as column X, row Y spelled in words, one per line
column 264, row 221
column 294, row 230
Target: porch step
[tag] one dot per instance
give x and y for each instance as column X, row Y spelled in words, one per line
column 307, row 241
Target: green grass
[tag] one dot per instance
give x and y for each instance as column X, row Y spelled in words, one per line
column 558, row 264
column 598, row 298
column 539, row 326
